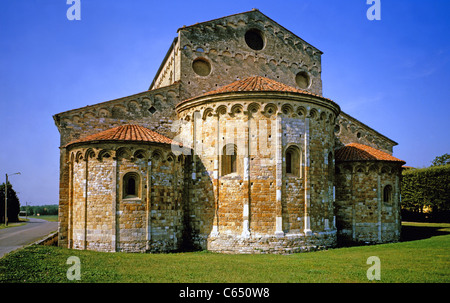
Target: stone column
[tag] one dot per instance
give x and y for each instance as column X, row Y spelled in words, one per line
column 86, row 164
column 63, row 196
column 148, row 220
column 216, row 183
column 195, row 145
column 70, row 208
column 115, row 185
column 279, row 175
column 247, row 187
column 352, row 200
column 379, row 205
column 307, row 220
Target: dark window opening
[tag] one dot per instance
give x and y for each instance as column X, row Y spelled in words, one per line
column 254, row 39
column 289, row 162
column 229, row 159
column 387, row 194
column 292, row 161
column 130, row 185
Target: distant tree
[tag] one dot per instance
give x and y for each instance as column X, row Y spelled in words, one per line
column 49, row 209
column 13, row 204
column 441, row 160
column 427, row 189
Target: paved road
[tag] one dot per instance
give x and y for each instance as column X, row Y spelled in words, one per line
column 13, row 238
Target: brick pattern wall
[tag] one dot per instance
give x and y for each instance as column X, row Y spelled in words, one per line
column 260, row 208
column 362, row 214
column 188, row 201
column 105, row 218
column 134, row 109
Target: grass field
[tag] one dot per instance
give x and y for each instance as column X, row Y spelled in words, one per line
column 51, row 218
column 423, row 258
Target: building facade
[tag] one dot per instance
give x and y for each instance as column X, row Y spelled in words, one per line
column 232, row 149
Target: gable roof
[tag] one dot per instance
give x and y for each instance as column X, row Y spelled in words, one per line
column 361, row 152
column 356, row 121
column 129, row 133
column 257, row 11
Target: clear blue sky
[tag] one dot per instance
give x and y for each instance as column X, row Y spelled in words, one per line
column 392, row 74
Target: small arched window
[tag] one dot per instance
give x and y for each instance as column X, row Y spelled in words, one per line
column 387, row 194
column 292, row 160
column 131, row 185
column 229, row 159
column 289, row 162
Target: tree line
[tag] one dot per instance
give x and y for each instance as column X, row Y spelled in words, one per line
column 426, row 192
column 42, row 210
column 14, row 208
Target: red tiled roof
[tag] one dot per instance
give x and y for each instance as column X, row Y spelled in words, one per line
column 361, row 152
column 127, row 132
column 257, row 84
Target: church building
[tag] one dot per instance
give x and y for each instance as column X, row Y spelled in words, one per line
column 232, row 148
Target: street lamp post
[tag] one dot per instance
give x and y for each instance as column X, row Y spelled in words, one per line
column 6, row 198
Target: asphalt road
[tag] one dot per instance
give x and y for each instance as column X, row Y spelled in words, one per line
column 13, row 238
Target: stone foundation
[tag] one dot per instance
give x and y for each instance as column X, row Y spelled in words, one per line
column 267, row 244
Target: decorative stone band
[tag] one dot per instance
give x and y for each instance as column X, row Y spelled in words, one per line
column 247, row 99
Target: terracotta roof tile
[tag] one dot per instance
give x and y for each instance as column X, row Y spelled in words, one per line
column 127, row 132
column 257, row 84
column 361, row 152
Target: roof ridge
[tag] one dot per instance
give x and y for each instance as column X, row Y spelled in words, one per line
column 223, row 17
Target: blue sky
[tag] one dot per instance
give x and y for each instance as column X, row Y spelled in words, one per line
column 392, row 74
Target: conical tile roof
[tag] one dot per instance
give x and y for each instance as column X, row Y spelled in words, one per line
column 256, row 84
column 128, row 132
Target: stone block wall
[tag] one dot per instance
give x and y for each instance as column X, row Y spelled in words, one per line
column 104, row 217
column 222, row 45
column 152, row 109
column 260, row 205
column 350, row 130
column 190, row 200
column 363, row 213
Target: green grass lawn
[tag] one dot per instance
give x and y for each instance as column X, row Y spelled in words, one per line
column 51, row 218
column 424, row 258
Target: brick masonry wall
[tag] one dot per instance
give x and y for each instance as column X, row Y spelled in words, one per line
column 362, row 215
column 260, row 207
column 189, row 202
column 105, row 219
column 151, row 109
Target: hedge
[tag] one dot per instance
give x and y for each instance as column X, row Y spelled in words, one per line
column 427, row 190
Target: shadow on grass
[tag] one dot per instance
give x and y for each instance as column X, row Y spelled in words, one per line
column 412, row 232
